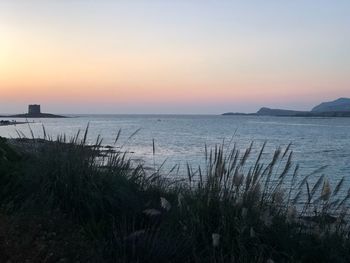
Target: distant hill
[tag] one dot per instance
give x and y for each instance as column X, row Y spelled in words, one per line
column 37, row 115
column 279, row 112
column 336, row 108
column 34, row 111
column 341, row 104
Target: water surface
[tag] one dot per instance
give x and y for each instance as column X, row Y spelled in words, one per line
column 180, row 139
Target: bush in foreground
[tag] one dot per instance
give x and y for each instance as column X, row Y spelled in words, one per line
column 238, row 208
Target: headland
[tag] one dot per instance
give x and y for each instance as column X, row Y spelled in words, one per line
column 34, row 111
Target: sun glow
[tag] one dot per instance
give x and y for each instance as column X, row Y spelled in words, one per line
column 150, row 56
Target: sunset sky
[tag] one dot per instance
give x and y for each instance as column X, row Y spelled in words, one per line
column 180, row 56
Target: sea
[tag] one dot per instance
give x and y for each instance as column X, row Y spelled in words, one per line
column 165, row 141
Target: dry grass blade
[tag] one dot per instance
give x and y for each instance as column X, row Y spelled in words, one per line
column 19, row 134
column 346, row 198
column 259, row 157
column 130, row 137
column 189, row 173
column 311, row 174
column 287, row 150
column 287, row 166
column 317, row 185
column 200, row 175
column 308, row 193
column 297, row 197
column 31, row 132
column 44, row 132
column 76, row 137
column 339, row 186
column 86, row 133
column 291, row 187
column 246, row 154
column 117, row 137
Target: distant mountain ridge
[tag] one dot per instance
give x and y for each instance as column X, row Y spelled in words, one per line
column 341, row 104
column 337, row 108
column 279, row 112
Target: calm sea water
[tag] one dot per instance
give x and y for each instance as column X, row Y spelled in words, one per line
column 180, row 139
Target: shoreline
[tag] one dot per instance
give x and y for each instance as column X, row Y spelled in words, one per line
column 30, row 116
column 11, row 123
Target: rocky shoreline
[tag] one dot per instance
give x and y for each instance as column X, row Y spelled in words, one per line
column 9, row 123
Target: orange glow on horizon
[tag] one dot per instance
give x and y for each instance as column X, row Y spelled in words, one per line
column 95, row 59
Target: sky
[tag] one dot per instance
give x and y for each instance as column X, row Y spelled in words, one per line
column 179, row 56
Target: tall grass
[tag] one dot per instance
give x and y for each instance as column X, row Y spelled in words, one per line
column 239, row 207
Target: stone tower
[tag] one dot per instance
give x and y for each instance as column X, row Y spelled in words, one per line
column 34, row 109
